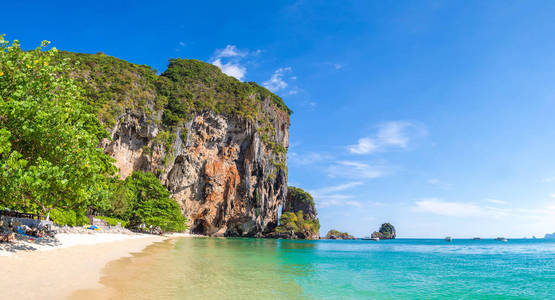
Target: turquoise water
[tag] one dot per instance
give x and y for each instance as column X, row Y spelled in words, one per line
column 210, row 268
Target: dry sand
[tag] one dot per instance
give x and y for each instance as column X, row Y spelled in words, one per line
column 55, row 273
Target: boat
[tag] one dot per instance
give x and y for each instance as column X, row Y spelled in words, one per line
column 477, row 238
column 370, row 239
column 501, row 239
column 448, row 239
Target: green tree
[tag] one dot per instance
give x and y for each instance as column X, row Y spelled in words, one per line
column 152, row 204
column 49, row 143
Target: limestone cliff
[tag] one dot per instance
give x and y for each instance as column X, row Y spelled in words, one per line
column 219, row 145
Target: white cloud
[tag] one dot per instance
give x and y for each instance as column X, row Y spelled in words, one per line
column 182, row 44
column 276, row 82
column 231, row 69
column 495, row 201
column 353, row 169
column 548, row 179
column 364, row 146
column 337, row 188
column 354, row 203
column 390, row 134
column 462, row 209
column 232, row 65
column 306, row 158
column 332, row 196
column 456, row 209
column 394, row 133
column 438, row 183
column 230, row 51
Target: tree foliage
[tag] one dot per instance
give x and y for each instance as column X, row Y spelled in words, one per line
column 151, row 204
column 297, row 224
column 49, row 153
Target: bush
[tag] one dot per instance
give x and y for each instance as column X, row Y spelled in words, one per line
column 69, row 218
column 113, row 221
column 152, row 205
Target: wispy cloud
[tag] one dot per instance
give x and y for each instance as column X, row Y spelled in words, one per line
column 335, row 196
column 364, row 146
column 230, row 51
column 462, row 209
column 357, row 170
column 439, row 207
column 229, row 61
column 438, row 183
column 548, row 179
column 276, row 82
column 495, row 201
column 306, row 158
column 337, row 188
column 394, row 134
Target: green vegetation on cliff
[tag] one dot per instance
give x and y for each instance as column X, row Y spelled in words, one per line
column 192, row 85
column 113, row 86
column 297, row 225
column 297, row 197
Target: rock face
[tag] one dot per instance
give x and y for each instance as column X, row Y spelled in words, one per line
column 386, row 232
column 221, row 172
column 219, row 145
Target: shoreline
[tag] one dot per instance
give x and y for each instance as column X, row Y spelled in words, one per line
column 55, row 272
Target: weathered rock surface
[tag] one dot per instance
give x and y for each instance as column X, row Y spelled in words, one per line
column 220, row 171
column 386, row 232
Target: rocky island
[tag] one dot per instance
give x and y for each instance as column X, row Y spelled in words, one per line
column 386, row 232
column 338, row 235
column 298, row 219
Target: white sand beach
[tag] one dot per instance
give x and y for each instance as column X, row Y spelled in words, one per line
column 76, row 263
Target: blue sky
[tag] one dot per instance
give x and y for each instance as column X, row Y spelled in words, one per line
column 437, row 116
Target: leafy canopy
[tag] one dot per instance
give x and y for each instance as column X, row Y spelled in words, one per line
column 49, row 154
column 151, row 203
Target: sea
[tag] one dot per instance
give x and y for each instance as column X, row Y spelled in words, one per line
column 243, row 268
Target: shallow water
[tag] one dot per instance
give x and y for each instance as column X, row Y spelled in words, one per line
column 212, row 268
